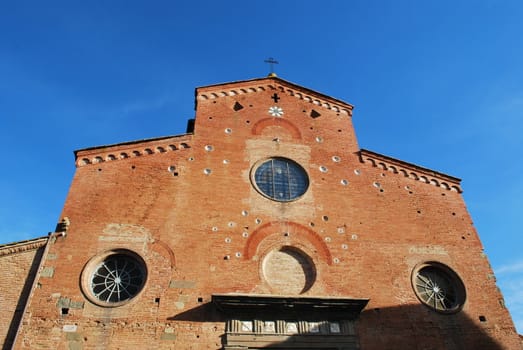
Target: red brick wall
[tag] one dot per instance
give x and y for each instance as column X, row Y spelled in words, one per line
column 195, row 218
column 18, row 265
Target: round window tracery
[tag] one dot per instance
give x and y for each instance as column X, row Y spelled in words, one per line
column 114, row 278
column 438, row 287
column 281, row 179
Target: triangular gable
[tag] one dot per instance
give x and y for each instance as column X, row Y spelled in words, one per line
column 277, row 84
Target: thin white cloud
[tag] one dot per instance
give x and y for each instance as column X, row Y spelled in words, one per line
column 516, row 267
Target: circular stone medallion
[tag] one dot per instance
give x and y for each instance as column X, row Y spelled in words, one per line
column 288, row 271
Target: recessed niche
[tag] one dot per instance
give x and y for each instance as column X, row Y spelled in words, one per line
column 237, row 106
column 315, row 114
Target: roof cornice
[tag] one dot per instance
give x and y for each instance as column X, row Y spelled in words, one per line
column 273, row 83
column 411, row 171
column 132, row 149
column 22, row 246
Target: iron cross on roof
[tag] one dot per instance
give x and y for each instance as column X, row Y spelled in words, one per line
column 271, row 61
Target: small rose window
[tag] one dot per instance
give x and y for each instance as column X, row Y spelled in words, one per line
column 281, row 179
column 438, row 287
column 114, row 278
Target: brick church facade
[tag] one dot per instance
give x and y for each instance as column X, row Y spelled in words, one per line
column 264, row 226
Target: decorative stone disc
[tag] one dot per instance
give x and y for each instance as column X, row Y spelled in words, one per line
column 288, row 271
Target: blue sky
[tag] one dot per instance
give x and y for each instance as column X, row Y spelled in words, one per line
column 438, row 84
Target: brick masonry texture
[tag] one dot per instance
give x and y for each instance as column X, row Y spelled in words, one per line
column 188, row 207
column 18, row 265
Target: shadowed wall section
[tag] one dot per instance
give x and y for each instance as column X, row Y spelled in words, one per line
column 18, row 266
